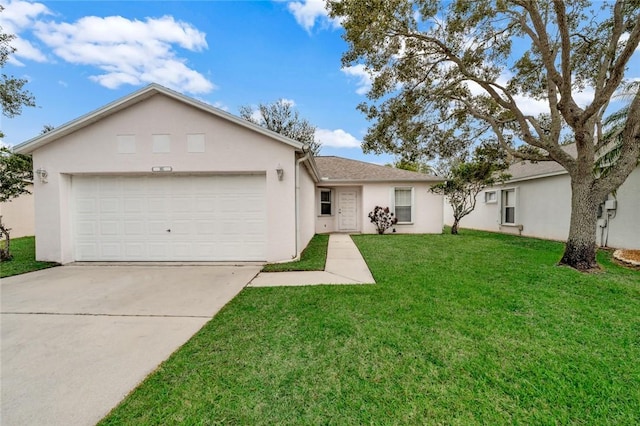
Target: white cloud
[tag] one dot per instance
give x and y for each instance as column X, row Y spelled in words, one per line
column 221, row 105
column 256, row 116
column 16, row 17
column 289, row 102
column 129, row 51
column 336, row 138
column 363, row 76
column 307, row 12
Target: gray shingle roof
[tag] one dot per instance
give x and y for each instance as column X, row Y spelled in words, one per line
column 340, row 169
column 527, row 169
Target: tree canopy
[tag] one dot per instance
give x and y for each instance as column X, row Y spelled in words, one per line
column 13, row 95
column 281, row 117
column 447, row 75
column 464, row 179
column 16, row 171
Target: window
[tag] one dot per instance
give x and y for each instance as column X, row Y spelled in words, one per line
column 490, row 197
column 403, row 204
column 325, row 202
column 509, row 206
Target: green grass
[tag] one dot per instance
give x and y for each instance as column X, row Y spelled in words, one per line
column 472, row 329
column 312, row 258
column 24, row 258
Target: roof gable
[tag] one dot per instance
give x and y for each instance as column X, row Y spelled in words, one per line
column 338, row 169
column 134, row 98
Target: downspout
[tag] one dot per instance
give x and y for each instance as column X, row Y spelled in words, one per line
column 305, row 157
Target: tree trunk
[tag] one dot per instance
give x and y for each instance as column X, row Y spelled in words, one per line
column 454, row 227
column 580, row 250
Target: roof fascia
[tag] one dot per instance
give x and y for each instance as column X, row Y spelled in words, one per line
column 139, row 96
column 533, row 177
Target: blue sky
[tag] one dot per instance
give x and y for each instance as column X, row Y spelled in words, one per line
column 81, row 55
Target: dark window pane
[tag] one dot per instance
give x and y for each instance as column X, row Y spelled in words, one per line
column 325, row 196
column 325, row 208
column 510, row 215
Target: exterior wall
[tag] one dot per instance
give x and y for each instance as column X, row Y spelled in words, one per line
column 18, row 215
column 543, row 210
column 306, row 208
column 326, row 224
column 229, row 148
column 427, row 212
column 624, row 227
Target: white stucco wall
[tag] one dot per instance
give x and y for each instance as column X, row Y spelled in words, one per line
column 427, row 212
column 624, row 228
column 306, row 208
column 229, row 148
column 18, row 214
column 543, row 209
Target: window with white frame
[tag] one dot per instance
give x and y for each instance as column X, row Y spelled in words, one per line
column 403, row 204
column 509, row 206
column 490, row 197
column 325, row 202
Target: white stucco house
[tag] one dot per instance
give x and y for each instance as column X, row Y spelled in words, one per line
column 159, row 176
column 536, row 202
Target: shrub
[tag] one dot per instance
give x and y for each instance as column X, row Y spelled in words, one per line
column 382, row 218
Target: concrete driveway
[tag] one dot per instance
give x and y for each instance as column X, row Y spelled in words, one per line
column 76, row 339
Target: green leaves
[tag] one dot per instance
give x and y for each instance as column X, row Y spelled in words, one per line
column 13, row 95
column 281, row 117
column 16, row 172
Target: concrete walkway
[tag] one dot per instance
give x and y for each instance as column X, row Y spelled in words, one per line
column 345, row 265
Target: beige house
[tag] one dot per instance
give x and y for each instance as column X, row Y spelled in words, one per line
column 18, row 214
column 355, row 188
column 536, row 202
column 158, row 176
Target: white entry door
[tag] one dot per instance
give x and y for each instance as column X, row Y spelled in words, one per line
column 347, row 211
column 169, row 218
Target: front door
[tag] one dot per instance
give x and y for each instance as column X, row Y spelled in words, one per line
column 347, row 211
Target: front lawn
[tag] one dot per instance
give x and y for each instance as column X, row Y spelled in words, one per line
column 24, row 258
column 472, row 329
column 312, row 258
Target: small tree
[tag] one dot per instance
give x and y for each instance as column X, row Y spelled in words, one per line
column 16, row 172
column 281, row 117
column 382, row 218
column 465, row 180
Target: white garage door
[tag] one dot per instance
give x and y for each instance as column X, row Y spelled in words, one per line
column 169, row 218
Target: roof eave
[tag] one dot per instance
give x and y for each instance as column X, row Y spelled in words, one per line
column 540, row 176
column 362, row 181
column 31, row 145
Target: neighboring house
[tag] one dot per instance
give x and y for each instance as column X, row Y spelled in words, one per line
column 536, row 202
column 158, row 176
column 348, row 190
column 18, row 215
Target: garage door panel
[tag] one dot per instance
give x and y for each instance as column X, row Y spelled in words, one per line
column 210, row 217
column 134, row 227
column 156, row 227
column 109, row 228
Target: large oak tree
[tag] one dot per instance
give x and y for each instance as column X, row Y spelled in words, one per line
column 442, row 69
